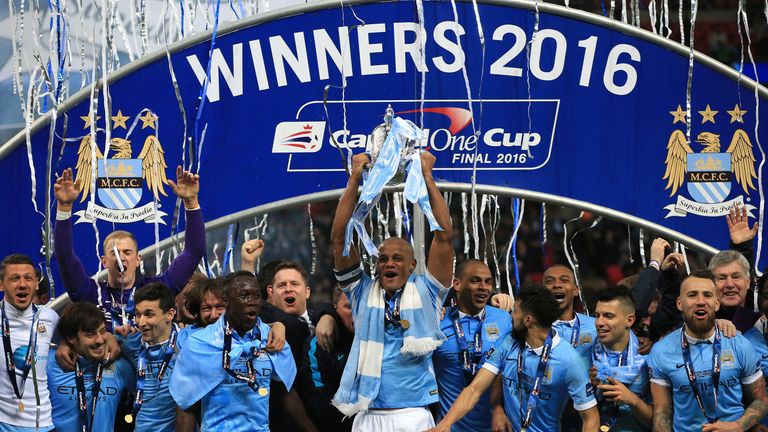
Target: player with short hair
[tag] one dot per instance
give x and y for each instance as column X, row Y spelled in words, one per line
column 87, row 398
column 698, row 377
column 26, row 335
column 537, row 371
column 226, row 365
column 471, row 327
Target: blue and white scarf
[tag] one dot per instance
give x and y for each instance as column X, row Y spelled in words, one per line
column 626, row 373
column 198, row 368
column 361, row 380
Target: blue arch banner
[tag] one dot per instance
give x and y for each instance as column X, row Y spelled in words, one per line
column 586, row 109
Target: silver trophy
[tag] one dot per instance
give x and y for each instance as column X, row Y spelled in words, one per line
column 378, row 139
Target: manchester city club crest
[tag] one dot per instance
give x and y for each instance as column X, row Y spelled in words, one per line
column 120, row 179
column 710, row 174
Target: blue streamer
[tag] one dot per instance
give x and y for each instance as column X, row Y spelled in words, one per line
column 204, row 90
column 60, row 52
column 181, row 8
column 515, row 216
column 208, row 271
column 416, row 191
column 232, row 232
column 232, row 6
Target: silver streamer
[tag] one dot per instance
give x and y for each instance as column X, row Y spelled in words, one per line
column 689, row 86
column 685, row 259
column 422, row 58
column 624, row 11
column 312, row 240
column 543, row 224
column 652, row 13
column 216, row 264
column 760, row 183
column 680, row 21
column 629, row 242
column 569, row 252
column 641, row 241
column 573, row 259
column 495, row 222
column 464, row 224
column 397, row 198
column 483, row 206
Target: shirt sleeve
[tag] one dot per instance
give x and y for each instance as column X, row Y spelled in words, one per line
column 79, row 286
column 437, row 292
column 184, row 265
column 354, row 290
column 656, row 371
column 127, row 375
column 750, row 361
column 579, row 387
column 494, row 357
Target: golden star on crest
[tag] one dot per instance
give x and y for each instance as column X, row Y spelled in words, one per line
column 679, row 115
column 737, row 114
column 119, row 120
column 708, row 115
column 87, row 120
column 149, row 119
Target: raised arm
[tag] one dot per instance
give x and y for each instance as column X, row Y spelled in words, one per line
column 741, row 236
column 250, row 253
column 344, row 213
column 466, row 400
column 662, row 408
column 440, row 261
column 187, row 187
column 79, row 286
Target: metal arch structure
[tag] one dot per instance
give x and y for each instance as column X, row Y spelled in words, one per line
column 616, row 30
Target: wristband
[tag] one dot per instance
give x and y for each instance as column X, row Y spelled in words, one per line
column 655, row 264
column 63, row 215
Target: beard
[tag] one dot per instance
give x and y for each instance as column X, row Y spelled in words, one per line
column 699, row 326
column 519, row 333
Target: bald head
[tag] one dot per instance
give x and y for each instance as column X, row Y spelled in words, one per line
column 399, row 244
column 395, row 263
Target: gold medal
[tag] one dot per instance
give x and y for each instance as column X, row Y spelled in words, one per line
column 263, row 391
column 21, row 406
column 405, row 324
column 129, row 418
column 605, row 428
column 40, row 328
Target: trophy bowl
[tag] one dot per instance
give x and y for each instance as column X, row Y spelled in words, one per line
column 377, row 141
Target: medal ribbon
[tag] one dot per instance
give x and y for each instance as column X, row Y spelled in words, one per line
column 600, row 357
column 86, row 424
column 576, row 331
column 470, row 357
column 10, row 367
column 250, row 376
column 526, row 414
column 392, row 313
column 692, row 372
column 141, row 367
